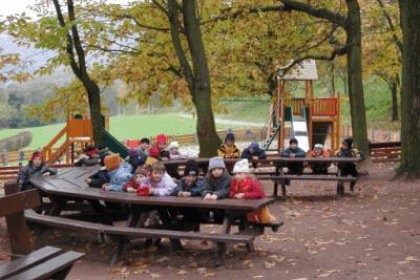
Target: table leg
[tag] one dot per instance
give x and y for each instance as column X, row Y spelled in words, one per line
column 283, row 190
column 222, row 246
column 276, row 187
column 166, row 219
column 120, row 254
column 58, row 204
column 244, row 226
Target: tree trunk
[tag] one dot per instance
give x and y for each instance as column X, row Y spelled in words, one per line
column 394, row 95
column 355, row 81
column 410, row 93
column 94, row 99
column 208, row 138
column 332, row 78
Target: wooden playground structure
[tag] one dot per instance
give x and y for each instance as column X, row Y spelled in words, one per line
column 311, row 119
column 71, row 140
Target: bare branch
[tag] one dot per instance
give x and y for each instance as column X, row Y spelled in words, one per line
column 331, row 57
column 243, row 11
column 336, row 18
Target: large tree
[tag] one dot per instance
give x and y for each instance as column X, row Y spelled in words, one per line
column 57, row 29
column 410, row 93
column 351, row 24
column 77, row 60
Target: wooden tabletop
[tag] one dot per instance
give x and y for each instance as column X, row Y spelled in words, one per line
column 272, row 160
column 70, row 183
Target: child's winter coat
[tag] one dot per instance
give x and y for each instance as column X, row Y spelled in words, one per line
column 29, row 171
column 228, row 152
column 348, row 168
column 100, row 178
column 162, row 188
column 252, row 189
column 119, row 177
column 195, row 189
column 219, row 186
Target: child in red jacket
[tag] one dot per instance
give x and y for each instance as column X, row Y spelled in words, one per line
column 134, row 184
column 246, row 186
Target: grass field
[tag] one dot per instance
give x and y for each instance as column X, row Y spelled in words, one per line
column 132, row 127
column 378, row 111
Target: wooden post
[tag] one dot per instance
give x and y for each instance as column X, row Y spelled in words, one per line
column 20, row 243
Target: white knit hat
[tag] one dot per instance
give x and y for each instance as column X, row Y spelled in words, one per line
column 173, row 144
column 319, row 146
column 242, row 166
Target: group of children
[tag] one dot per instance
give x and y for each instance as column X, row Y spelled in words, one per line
column 228, row 150
column 152, row 179
column 144, row 173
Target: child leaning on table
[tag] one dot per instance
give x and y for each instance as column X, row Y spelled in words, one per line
column 245, row 185
column 35, row 167
column 119, row 173
column 217, row 181
column 135, row 182
column 157, row 182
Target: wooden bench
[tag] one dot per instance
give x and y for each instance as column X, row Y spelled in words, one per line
column 122, row 232
column 284, row 180
column 45, row 263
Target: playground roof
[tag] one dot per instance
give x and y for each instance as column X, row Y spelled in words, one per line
column 303, row 71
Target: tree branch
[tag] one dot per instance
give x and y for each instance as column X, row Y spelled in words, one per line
column 176, row 41
column 246, row 10
column 76, row 38
column 336, row 52
column 316, row 12
column 139, row 24
column 161, row 7
column 391, row 26
column 69, row 42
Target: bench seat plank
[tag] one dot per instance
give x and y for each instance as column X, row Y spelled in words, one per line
column 28, row 261
column 129, row 231
column 50, row 267
column 306, row 177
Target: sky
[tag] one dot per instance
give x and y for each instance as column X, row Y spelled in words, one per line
column 19, row 6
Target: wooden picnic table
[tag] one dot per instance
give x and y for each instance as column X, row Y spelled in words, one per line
column 69, row 184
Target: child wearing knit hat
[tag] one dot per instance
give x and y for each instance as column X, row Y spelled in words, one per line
column 119, row 173
column 135, row 182
column 245, row 185
column 90, row 157
column 191, row 184
column 217, row 181
column 35, row 167
column 319, row 152
column 348, row 168
column 229, row 149
column 174, row 150
column 293, row 151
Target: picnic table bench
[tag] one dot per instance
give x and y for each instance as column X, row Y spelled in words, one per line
column 45, row 263
column 278, row 176
column 69, row 185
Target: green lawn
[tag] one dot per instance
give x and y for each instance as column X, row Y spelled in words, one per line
column 132, row 127
column 377, row 101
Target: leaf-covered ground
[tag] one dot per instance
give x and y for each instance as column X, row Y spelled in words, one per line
column 373, row 234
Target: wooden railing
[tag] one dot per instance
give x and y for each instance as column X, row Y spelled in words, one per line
column 47, row 151
column 324, row 107
column 297, row 104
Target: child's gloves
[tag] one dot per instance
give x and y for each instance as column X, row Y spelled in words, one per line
column 144, row 191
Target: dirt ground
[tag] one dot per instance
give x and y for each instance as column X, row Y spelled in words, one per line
column 373, row 234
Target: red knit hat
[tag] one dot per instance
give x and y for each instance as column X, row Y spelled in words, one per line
column 154, row 152
column 35, row 155
column 161, row 138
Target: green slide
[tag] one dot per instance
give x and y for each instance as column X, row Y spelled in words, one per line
column 114, row 145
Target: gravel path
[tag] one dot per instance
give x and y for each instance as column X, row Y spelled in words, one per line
column 232, row 122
